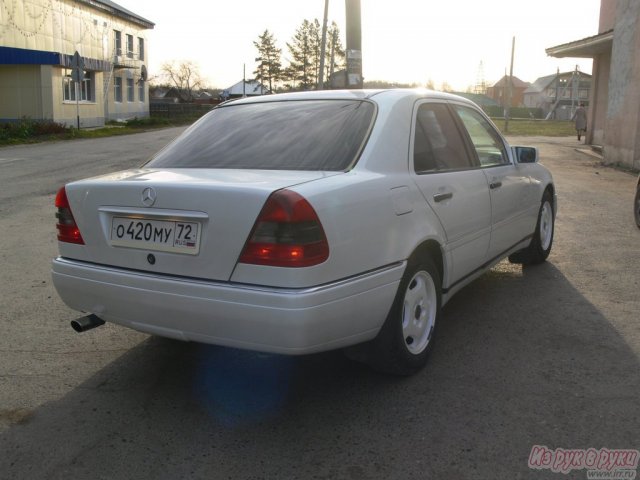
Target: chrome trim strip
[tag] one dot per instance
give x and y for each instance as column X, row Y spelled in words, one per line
column 484, row 266
column 147, row 212
column 245, row 286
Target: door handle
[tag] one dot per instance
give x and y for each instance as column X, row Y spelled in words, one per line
column 494, row 185
column 441, row 197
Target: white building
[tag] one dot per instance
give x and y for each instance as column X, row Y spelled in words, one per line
column 559, row 95
column 38, row 39
column 614, row 100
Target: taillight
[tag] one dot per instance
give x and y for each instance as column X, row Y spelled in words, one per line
column 287, row 233
column 68, row 231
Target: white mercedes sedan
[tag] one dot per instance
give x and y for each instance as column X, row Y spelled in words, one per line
column 306, row 222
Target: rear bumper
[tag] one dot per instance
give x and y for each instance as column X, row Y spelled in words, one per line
column 286, row 321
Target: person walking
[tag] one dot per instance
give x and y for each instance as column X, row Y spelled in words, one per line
column 580, row 118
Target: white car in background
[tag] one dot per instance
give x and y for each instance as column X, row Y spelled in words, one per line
column 306, row 222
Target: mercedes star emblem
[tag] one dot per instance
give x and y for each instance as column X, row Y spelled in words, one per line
column 148, row 197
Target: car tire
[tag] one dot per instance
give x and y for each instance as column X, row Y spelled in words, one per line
column 540, row 246
column 405, row 341
column 636, row 207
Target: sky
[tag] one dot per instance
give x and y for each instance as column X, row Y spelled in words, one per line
column 404, row 41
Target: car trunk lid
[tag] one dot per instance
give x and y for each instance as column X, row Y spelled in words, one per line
column 183, row 222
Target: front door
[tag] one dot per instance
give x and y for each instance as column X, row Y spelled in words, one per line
column 454, row 187
column 509, row 185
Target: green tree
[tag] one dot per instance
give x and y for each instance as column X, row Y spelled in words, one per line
column 304, row 49
column 335, row 54
column 269, row 68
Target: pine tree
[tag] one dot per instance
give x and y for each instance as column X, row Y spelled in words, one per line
column 335, row 53
column 303, row 68
column 269, row 67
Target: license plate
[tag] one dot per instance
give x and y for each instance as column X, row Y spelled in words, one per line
column 159, row 235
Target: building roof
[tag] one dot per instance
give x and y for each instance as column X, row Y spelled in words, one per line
column 542, row 83
column 115, row 9
column 585, row 48
column 252, row 88
column 517, row 83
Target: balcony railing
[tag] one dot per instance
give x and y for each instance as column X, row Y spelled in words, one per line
column 128, row 60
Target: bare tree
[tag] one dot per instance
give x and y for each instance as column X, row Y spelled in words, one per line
column 185, row 76
column 446, row 87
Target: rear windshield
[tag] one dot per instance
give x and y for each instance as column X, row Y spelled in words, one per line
column 289, row 135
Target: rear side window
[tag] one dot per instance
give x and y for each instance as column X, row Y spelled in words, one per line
column 322, row 135
column 437, row 144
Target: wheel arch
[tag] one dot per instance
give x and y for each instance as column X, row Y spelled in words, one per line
column 432, row 250
column 551, row 189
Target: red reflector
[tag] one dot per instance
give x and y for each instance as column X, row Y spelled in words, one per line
column 287, row 233
column 68, row 230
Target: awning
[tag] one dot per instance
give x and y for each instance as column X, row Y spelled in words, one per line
column 22, row 56
column 589, row 47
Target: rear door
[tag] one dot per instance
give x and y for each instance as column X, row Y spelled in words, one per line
column 509, row 184
column 453, row 185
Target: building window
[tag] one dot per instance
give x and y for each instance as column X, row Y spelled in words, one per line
column 141, row 86
column 117, row 89
column 117, row 39
column 130, row 95
column 86, row 87
column 129, row 46
column 141, row 48
column 68, row 87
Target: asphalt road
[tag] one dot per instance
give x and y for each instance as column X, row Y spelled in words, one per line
column 545, row 355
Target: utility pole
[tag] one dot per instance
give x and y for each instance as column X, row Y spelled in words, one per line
column 354, row 44
column 323, row 46
column 510, row 86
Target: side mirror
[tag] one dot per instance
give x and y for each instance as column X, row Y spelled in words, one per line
column 525, row 154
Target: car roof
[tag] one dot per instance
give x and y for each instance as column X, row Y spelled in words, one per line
column 378, row 96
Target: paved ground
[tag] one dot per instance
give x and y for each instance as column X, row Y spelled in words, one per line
column 546, row 355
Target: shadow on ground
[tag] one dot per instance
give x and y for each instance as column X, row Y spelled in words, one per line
column 522, row 359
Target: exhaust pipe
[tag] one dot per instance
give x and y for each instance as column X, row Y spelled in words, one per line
column 83, row 324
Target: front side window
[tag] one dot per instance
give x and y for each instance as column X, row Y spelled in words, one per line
column 437, row 142
column 117, row 89
column 314, row 135
column 141, row 48
column 485, row 139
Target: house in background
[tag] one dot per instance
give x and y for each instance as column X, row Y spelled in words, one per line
column 478, row 98
column 167, row 95
column 614, row 102
column 559, row 95
column 499, row 91
column 38, row 39
column 246, row 88
column 163, row 95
